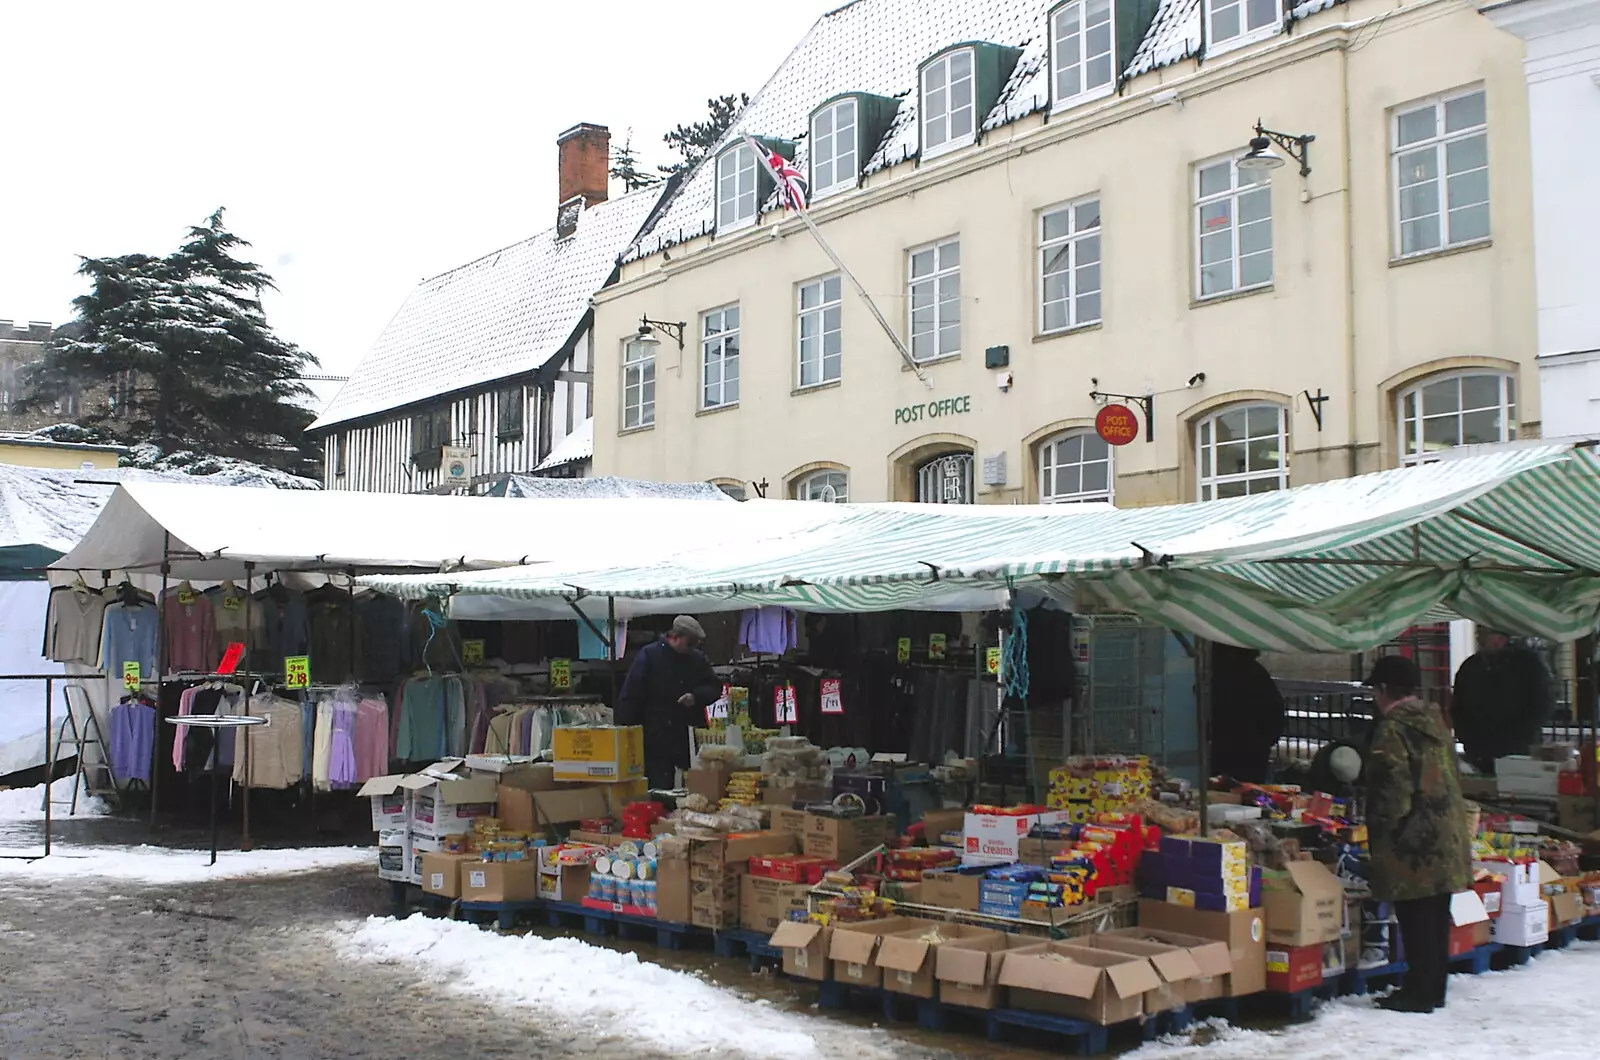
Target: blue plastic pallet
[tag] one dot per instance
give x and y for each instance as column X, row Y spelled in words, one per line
column 666, row 936
column 1562, row 937
column 564, row 914
column 1301, row 1002
column 504, row 913
column 836, row 995
column 1085, row 1038
column 1475, row 961
column 735, row 942
column 1589, row 928
column 1516, row 956
column 1360, row 981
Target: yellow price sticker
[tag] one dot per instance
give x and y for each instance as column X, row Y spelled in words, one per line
column 187, row 596
column 902, row 650
column 936, row 645
column 130, row 676
column 297, row 671
column 991, row 660
column 472, row 653
column 560, row 674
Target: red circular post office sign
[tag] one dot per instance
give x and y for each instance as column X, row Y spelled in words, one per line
column 1117, row 424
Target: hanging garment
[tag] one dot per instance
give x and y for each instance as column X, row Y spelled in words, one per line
column 342, row 769
column 331, row 622
column 498, row 739
column 232, row 617
column 188, row 621
column 371, row 739
column 275, row 747
column 74, row 619
column 380, row 637
column 322, row 746
column 129, row 635
column 591, row 647
column 420, row 735
column 768, row 630
column 132, row 725
column 285, row 629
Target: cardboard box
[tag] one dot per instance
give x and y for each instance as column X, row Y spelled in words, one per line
column 709, row 781
column 1468, row 937
column 1304, row 905
column 936, row 822
column 1521, row 879
column 1245, row 933
column 843, row 839
column 516, row 773
column 789, row 822
column 764, row 903
column 994, row 839
column 855, row 943
column 446, row 798
column 1521, row 925
column 500, row 881
column 968, row 968
column 394, row 855
column 909, row 961
column 598, row 753
column 391, row 803
column 738, row 849
column 420, row 847
column 522, row 810
column 1565, row 909
column 672, row 882
column 441, row 873
column 1293, row 969
column 1521, row 775
column 805, row 949
column 1100, row 986
column 1194, row 969
column 952, row 890
column 567, row 883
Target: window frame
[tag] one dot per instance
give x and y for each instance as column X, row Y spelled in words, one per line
column 733, row 153
column 1440, row 142
column 339, row 442
column 938, row 274
column 506, row 399
column 800, row 488
column 1204, row 479
column 820, row 312
column 923, row 467
column 1082, row 496
column 838, row 184
column 1507, row 409
column 1085, row 93
column 644, row 364
column 1246, row 35
column 946, row 59
column 720, row 339
column 1042, row 248
column 1199, row 202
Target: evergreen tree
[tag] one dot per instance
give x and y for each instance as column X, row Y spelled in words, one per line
column 181, row 349
column 625, row 167
column 693, row 141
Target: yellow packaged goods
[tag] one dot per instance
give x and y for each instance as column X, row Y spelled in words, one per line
column 603, row 753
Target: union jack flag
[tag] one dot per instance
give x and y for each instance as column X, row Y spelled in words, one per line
column 791, row 183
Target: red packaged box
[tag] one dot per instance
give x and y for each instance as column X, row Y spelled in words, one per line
column 1294, row 969
column 791, row 868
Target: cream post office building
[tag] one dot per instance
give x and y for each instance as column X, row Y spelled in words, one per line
column 1052, row 200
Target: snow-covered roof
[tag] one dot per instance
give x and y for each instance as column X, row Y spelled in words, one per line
column 503, row 315
column 876, row 47
column 579, row 445
column 529, row 486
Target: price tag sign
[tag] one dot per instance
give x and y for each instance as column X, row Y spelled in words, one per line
column 232, row 603
column 936, row 645
column 832, row 702
column 717, row 713
column 472, row 653
column 902, row 650
column 130, row 676
column 187, row 596
column 297, row 671
column 991, row 661
column 560, row 675
column 230, row 658
column 784, row 706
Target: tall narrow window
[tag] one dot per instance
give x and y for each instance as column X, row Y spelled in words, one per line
column 1468, row 409
column 832, row 486
column 736, row 186
column 1080, row 49
column 1233, row 218
column 1069, row 266
column 638, row 385
column 949, row 116
column 509, row 406
column 1228, row 21
column 834, row 165
column 1074, row 467
column 337, row 443
column 935, row 301
column 719, row 358
column 1243, row 450
column 818, row 331
column 1441, row 173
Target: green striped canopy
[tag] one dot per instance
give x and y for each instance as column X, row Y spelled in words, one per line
column 1511, row 539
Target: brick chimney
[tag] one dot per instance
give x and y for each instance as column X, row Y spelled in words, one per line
column 585, row 162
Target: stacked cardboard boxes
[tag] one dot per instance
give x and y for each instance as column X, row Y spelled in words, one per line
column 715, row 870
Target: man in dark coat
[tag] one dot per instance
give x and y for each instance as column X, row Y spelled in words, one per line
column 1502, row 701
column 1417, row 829
column 668, row 688
column 1246, row 714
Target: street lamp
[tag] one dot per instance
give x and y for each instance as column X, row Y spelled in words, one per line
column 1262, row 158
column 647, row 336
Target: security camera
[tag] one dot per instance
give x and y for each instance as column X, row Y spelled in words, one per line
column 1198, row 379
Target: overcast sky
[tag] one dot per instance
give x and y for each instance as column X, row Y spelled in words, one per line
column 360, row 146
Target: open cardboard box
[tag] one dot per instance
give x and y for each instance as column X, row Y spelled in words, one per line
column 855, row 943
column 805, row 949
column 1095, row 985
column 1244, row 932
column 909, row 961
column 446, row 798
column 1304, row 905
column 968, row 968
column 1192, row 969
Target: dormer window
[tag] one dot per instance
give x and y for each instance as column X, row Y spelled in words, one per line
column 835, row 137
column 1232, row 23
column 949, row 111
column 736, row 187
column 1082, row 59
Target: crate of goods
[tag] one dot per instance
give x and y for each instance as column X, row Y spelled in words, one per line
column 598, row 753
column 1202, row 874
column 1004, row 889
column 1085, row 786
column 993, row 835
column 790, row 868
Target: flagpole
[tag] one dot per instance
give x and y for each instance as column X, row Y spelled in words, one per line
column 833, row 255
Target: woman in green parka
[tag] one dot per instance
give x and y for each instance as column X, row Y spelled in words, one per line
column 1417, row 827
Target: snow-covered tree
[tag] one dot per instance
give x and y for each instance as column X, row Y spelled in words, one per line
column 694, row 140
column 625, row 167
column 176, row 352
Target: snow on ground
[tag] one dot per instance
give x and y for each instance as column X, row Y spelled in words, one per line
column 27, row 804
column 163, row 865
column 604, row 992
column 1538, row 1009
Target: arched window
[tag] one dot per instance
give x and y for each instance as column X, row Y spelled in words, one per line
column 1242, row 450
column 1470, row 408
column 1075, row 466
column 824, row 485
column 946, row 479
column 731, row 486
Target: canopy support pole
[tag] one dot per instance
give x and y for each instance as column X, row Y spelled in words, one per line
column 161, row 669
column 612, row 655
column 249, row 578
column 50, row 761
column 1202, row 717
